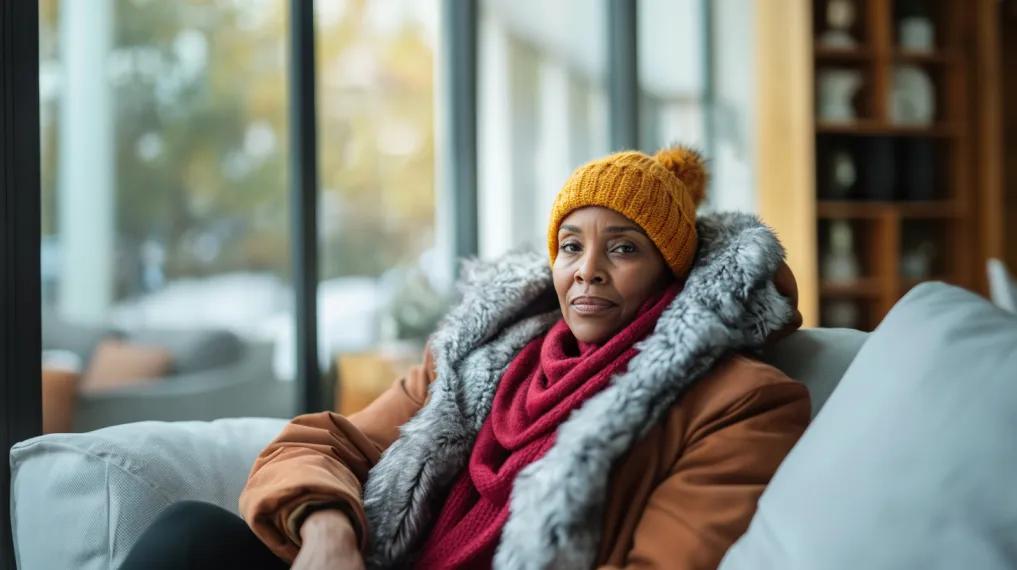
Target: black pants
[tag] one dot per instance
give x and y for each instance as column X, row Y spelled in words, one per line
column 196, row 535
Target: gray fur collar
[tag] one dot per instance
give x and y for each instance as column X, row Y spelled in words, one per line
column 728, row 303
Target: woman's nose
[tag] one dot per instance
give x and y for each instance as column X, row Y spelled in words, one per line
column 590, row 270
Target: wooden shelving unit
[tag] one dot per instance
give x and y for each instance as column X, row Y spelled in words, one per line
column 954, row 214
column 943, row 57
column 871, row 128
column 942, row 209
column 866, row 288
column 841, row 55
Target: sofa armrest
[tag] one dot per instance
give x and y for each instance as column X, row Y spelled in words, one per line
column 82, row 500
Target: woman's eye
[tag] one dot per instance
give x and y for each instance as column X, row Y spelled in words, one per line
column 570, row 247
column 624, row 248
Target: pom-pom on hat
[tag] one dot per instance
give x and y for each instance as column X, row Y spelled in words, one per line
column 660, row 193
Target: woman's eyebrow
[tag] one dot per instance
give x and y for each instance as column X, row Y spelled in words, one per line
column 609, row 229
column 623, row 229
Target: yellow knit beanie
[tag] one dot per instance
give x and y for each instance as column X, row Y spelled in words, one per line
column 660, row 193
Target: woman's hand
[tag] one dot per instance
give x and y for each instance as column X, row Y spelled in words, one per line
column 329, row 542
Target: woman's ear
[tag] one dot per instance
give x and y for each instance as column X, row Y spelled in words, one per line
column 784, row 281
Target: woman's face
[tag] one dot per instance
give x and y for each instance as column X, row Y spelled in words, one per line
column 606, row 268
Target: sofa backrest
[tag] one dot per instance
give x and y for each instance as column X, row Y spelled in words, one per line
column 81, row 339
column 817, row 358
column 192, row 350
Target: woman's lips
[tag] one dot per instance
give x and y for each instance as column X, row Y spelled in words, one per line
column 591, row 305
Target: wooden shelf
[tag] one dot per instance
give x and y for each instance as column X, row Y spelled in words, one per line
column 869, row 128
column 828, row 209
column 826, row 54
column 865, row 288
column 958, row 154
column 926, row 58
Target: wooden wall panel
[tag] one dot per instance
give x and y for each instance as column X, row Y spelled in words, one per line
column 785, row 137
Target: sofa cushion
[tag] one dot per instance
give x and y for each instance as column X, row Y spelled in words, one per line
column 116, row 364
column 911, row 462
column 82, row 500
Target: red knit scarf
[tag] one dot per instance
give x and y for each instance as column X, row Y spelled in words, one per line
column 551, row 377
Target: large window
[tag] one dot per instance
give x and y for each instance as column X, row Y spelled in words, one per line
column 165, row 232
column 166, row 255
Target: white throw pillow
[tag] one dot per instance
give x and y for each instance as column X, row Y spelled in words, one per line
column 81, row 500
column 912, row 462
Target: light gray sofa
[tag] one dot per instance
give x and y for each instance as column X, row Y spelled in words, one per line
column 81, row 500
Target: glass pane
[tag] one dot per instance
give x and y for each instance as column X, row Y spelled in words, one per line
column 542, row 111
column 697, row 88
column 670, row 47
column 165, row 248
column 380, row 295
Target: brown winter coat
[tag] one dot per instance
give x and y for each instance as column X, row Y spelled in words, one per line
column 677, row 498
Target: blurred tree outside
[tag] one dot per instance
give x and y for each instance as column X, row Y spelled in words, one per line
column 376, row 131
column 200, row 107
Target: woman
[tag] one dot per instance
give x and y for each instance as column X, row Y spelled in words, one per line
column 602, row 414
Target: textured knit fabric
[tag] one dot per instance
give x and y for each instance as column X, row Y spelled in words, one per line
column 659, row 193
column 552, row 376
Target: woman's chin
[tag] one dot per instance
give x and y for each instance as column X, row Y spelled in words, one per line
column 591, row 334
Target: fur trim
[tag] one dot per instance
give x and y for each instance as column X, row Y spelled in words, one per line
column 728, row 303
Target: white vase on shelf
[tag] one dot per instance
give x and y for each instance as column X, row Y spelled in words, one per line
column 837, row 88
column 916, row 262
column 845, row 174
column 916, row 34
column 913, row 100
column 840, row 17
column 840, row 263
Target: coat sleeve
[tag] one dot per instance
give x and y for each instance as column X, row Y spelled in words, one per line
column 321, row 460
column 709, row 495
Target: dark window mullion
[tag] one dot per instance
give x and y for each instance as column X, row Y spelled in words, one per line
column 303, row 202
column 459, row 84
column 708, row 55
column 622, row 74
column 20, row 312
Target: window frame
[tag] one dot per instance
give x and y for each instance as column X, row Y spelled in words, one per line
column 303, row 189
